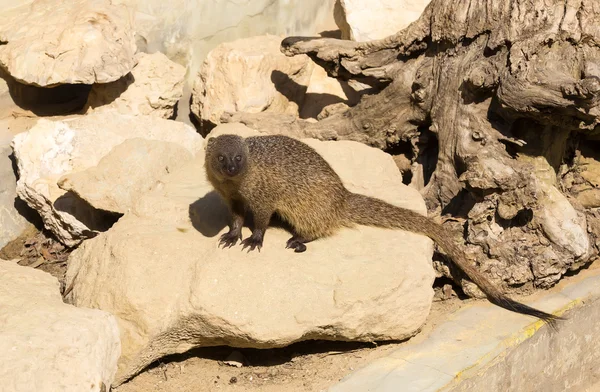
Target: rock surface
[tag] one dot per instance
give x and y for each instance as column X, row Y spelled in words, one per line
column 12, row 209
column 52, row 149
column 250, row 75
column 366, row 20
column 68, row 42
column 153, row 87
column 323, row 91
column 186, row 31
column 48, row 345
column 12, row 223
column 160, row 272
column 129, row 170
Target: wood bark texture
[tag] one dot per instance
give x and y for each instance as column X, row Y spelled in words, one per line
column 495, row 104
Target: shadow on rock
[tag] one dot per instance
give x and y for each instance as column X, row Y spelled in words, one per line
column 209, row 214
column 310, row 104
column 95, row 219
column 47, row 101
column 106, row 93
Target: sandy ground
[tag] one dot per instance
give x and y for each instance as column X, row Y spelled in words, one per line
column 307, row 366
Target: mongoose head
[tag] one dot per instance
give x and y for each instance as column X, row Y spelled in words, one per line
column 227, row 156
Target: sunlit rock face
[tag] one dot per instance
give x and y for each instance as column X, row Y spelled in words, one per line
column 186, row 30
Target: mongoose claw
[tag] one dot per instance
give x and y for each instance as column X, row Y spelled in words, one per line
column 252, row 243
column 229, row 239
column 296, row 244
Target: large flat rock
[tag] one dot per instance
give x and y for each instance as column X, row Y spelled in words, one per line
column 68, row 42
column 159, row 270
column 50, row 346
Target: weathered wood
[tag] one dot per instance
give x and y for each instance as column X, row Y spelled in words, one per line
column 508, row 89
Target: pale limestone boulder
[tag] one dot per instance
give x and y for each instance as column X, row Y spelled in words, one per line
column 153, row 87
column 50, row 346
column 68, row 42
column 366, row 20
column 12, row 223
column 128, row 171
column 187, row 30
column 52, row 149
column 12, row 209
column 160, row 272
column 6, row 101
column 250, row 75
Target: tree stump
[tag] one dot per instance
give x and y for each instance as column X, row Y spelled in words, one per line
column 495, row 104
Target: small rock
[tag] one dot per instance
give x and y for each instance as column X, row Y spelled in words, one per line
column 250, row 75
column 52, row 149
column 47, row 345
column 448, row 291
column 235, row 359
column 361, row 20
column 233, row 380
column 68, row 42
column 153, row 87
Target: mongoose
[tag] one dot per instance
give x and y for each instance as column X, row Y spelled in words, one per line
column 272, row 174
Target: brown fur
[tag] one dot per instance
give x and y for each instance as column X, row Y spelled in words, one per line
column 278, row 174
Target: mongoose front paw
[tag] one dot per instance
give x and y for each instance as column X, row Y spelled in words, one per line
column 252, row 242
column 230, row 238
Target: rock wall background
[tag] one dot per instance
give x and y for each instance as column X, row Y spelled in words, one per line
column 186, row 30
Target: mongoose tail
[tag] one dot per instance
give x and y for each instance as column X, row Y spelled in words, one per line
column 369, row 211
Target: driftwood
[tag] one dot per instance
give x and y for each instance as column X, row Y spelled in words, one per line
column 492, row 102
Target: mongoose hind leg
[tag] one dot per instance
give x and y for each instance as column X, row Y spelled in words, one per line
column 297, row 243
column 234, row 234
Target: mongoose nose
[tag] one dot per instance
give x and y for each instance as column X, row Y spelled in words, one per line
column 231, row 169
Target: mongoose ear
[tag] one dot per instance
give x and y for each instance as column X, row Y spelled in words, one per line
column 210, row 142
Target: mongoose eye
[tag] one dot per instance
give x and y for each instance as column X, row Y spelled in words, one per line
column 221, row 158
column 238, row 158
